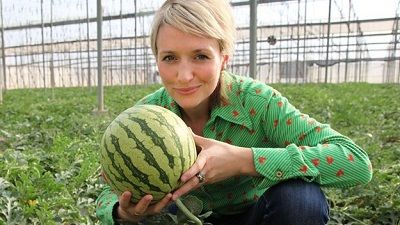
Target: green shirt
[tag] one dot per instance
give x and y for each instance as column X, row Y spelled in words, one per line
column 285, row 143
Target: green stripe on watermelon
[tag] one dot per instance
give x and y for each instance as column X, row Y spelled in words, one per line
column 124, row 181
column 149, row 158
column 116, row 171
column 158, row 150
column 165, row 121
column 135, row 172
column 177, row 138
column 181, row 131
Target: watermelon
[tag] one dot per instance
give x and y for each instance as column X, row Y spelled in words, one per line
column 145, row 150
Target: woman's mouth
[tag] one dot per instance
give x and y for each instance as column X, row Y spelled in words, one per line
column 187, row 90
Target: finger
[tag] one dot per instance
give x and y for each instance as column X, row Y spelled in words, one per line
column 194, row 169
column 188, row 186
column 125, row 199
column 199, row 140
column 161, row 204
column 142, row 205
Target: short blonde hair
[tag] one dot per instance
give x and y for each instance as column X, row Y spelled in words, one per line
column 204, row 18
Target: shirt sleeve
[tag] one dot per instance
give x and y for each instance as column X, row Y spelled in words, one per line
column 307, row 149
column 104, row 206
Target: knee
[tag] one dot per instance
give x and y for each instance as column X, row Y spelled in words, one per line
column 296, row 202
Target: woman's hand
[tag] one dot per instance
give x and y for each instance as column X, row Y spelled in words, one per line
column 129, row 212
column 216, row 161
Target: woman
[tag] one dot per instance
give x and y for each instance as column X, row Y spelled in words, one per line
column 261, row 160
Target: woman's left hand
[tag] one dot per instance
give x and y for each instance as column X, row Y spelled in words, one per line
column 216, row 161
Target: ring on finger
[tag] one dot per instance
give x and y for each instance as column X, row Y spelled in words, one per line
column 201, row 176
column 137, row 214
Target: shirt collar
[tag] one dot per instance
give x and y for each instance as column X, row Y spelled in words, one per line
column 233, row 110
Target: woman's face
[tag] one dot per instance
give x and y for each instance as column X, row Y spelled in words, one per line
column 189, row 66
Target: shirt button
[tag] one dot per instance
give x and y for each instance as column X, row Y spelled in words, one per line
column 279, row 174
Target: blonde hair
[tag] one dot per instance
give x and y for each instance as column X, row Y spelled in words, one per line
column 204, row 18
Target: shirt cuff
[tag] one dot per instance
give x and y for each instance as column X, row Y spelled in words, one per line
column 278, row 164
column 105, row 210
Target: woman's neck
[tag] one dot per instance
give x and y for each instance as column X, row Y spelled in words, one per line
column 196, row 118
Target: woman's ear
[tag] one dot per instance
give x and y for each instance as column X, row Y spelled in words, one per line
column 225, row 61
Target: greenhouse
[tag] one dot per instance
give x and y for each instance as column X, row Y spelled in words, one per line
column 55, row 43
column 68, row 68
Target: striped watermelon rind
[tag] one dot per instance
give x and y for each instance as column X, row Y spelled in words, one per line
column 145, row 150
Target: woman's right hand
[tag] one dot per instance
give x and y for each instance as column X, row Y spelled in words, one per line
column 129, row 212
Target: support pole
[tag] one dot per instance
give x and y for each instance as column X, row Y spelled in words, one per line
column 3, row 56
column 52, row 78
column 136, row 67
column 395, row 48
column 304, row 44
column 89, row 82
column 347, row 45
column 100, row 97
column 298, row 42
column 253, row 38
column 120, row 48
column 327, row 42
column 43, row 50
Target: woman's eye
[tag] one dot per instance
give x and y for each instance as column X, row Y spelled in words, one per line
column 168, row 58
column 201, row 57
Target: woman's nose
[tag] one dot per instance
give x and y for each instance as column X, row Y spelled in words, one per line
column 185, row 72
